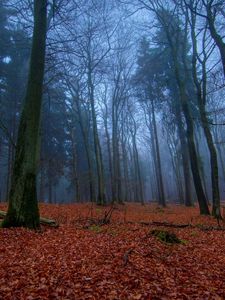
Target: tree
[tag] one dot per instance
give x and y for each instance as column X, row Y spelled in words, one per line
column 146, row 78
column 178, row 46
column 23, row 205
column 211, row 10
column 176, row 40
column 201, row 91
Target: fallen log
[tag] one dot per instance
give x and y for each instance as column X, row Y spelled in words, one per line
column 173, row 225
column 43, row 221
column 166, row 224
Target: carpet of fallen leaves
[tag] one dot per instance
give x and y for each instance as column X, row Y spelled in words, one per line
column 121, row 260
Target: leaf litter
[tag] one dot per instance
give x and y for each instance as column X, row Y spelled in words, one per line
column 120, row 260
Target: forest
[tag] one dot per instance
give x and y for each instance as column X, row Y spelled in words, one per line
column 112, row 149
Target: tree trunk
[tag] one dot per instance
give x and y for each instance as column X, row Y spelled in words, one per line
column 23, row 205
column 74, row 166
column 88, row 153
column 176, row 168
column 125, row 169
column 201, row 167
column 138, row 173
column 116, row 162
column 109, row 150
column 153, row 150
column 158, row 159
column 192, row 152
column 101, row 198
column 185, row 157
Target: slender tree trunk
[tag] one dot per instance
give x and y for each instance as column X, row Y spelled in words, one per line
column 192, row 152
column 88, row 152
column 133, row 185
column 138, row 172
column 176, row 169
column 74, row 166
column 125, row 170
column 185, row 157
column 201, row 168
column 109, row 151
column 23, row 205
column 158, row 158
column 101, row 198
column 114, row 173
column 214, row 165
column 153, row 150
column 117, row 190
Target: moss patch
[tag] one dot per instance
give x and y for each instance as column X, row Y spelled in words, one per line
column 167, row 237
column 95, row 228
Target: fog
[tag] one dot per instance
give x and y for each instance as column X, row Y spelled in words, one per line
column 133, row 100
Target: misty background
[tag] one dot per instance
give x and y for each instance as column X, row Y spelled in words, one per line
column 112, row 118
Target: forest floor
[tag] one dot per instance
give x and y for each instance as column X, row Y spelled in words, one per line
column 121, row 260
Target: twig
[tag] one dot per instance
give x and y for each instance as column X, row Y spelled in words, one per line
column 126, row 256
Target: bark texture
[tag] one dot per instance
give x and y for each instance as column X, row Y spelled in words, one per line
column 23, row 205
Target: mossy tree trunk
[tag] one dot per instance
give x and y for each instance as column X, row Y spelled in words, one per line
column 23, row 204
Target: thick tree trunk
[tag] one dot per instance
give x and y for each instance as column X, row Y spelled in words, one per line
column 23, row 205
